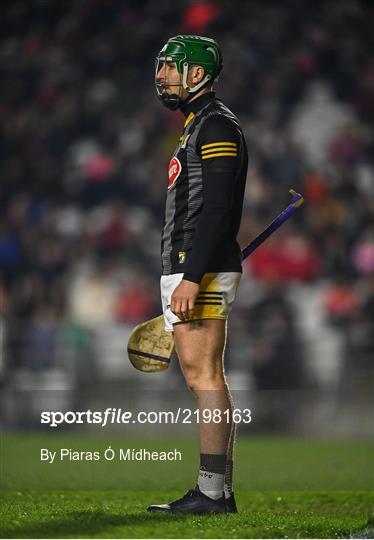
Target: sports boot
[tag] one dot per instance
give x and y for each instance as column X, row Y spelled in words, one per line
column 194, row 502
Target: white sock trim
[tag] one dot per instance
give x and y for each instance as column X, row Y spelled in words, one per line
column 211, row 484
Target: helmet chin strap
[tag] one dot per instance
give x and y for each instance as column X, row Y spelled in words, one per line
column 171, row 101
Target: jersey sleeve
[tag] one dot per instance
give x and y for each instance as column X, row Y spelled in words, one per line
column 219, row 145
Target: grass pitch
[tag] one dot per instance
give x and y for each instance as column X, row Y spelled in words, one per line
column 110, row 514
column 285, row 488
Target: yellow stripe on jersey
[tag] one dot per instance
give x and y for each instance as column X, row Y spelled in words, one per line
column 222, row 143
column 190, row 117
column 218, row 149
column 219, row 154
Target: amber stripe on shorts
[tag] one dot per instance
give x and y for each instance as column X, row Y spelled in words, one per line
column 209, row 298
column 208, row 303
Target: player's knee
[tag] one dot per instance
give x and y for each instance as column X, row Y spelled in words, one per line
column 208, row 382
column 203, row 377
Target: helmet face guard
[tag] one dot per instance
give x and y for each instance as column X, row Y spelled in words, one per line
column 187, row 51
column 172, row 101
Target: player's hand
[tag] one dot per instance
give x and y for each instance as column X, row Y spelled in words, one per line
column 183, row 299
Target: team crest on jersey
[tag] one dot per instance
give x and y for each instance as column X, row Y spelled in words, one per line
column 175, row 168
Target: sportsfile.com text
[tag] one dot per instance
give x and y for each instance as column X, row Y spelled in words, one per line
column 119, row 416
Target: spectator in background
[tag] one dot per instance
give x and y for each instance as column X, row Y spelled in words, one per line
column 287, row 257
column 276, row 355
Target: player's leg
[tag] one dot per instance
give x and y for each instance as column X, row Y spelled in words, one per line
column 200, row 347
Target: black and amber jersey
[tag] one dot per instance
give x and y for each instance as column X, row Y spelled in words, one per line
column 207, row 175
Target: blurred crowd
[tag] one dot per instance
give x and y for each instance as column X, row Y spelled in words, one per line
column 84, row 151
